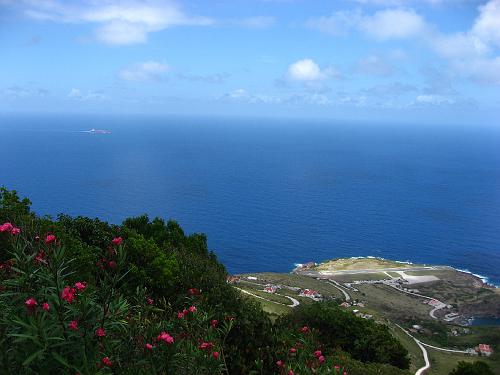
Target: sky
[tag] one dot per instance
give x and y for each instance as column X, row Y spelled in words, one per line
column 427, row 61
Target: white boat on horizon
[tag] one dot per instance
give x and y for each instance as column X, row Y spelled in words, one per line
column 98, row 131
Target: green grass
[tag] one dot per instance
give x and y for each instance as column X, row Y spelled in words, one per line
column 416, row 356
column 295, row 280
column 347, row 278
column 343, row 264
column 395, row 274
column 392, row 304
column 274, row 310
column 269, row 296
column 442, row 363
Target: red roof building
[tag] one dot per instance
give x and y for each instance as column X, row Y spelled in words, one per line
column 484, row 349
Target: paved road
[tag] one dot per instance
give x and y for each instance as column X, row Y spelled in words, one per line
column 370, row 270
column 424, row 351
column 427, row 365
column 337, row 285
column 444, row 349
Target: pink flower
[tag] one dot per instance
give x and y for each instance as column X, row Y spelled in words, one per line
column 185, row 312
column 321, row 359
column 73, row 325
column 80, row 285
column 345, row 372
column 180, row 315
column 165, row 337
column 37, row 238
column 31, row 303
column 305, row 329
column 6, row 227
column 46, row 306
column 68, row 294
column 317, row 353
column 279, row 363
column 149, row 301
column 117, row 241
column 214, row 323
column 100, row 332
column 215, row 355
column 192, row 309
column 337, row 367
column 50, row 238
column 193, row 292
column 112, row 264
column 148, row 346
column 206, row 346
column 107, row 362
column 293, row 350
column 15, row 231
column 40, row 257
column 290, row 372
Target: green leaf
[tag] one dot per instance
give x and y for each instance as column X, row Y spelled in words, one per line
column 60, row 359
column 32, row 357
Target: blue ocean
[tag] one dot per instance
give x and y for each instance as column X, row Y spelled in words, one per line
column 272, row 193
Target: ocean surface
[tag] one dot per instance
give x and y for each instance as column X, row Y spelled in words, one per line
column 272, row 193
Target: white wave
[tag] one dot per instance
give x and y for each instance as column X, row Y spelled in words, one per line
column 484, row 279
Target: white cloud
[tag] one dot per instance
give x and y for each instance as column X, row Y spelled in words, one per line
column 472, row 53
column 458, row 45
column 306, row 70
column 434, row 100
column 398, row 2
column 483, row 70
column 386, row 24
column 144, row 71
column 393, row 24
column 258, row 22
column 17, row 92
column 487, row 25
column 77, row 94
column 374, row 65
column 338, row 23
column 243, row 96
column 118, row 22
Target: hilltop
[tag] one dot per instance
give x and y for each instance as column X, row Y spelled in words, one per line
column 79, row 295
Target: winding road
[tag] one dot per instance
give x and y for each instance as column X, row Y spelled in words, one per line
column 427, row 365
column 337, row 285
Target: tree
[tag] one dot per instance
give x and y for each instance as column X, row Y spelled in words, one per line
column 474, row 368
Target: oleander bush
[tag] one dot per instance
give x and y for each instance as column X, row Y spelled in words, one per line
column 81, row 296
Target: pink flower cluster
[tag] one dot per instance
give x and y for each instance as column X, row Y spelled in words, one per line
column 31, row 304
column 100, row 332
column 49, row 239
column 73, row 325
column 319, row 356
column 106, row 362
column 166, row 338
column 69, row 294
column 9, row 228
column 183, row 313
column 117, row 241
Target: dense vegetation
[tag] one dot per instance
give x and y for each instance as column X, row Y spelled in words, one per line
column 79, row 295
column 475, row 368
